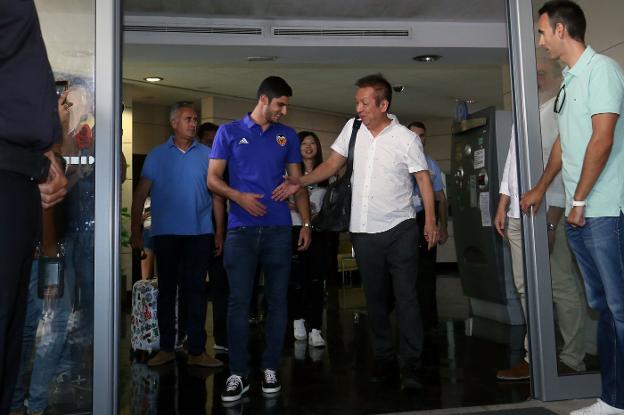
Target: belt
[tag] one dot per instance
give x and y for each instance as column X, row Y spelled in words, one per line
column 29, row 163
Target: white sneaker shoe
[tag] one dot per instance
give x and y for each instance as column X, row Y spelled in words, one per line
column 315, row 339
column 300, row 349
column 599, row 408
column 299, row 329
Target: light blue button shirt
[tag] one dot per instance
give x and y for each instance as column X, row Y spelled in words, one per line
column 436, row 182
column 594, row 85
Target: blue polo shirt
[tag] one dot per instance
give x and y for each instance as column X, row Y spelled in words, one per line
column 181, row 203
column 256, row 162
column 436, row 182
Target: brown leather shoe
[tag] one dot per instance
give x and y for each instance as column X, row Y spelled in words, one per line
column 161, row 358
column 518, row 372
column 203, row 360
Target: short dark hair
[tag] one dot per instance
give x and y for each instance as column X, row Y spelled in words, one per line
column 568, row 14
column 382, row 87
column 206, row 127
column 274, row 87
column 417, row 124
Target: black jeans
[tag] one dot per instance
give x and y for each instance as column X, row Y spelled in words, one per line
column 220, row 291
column 20, row 220
column 389, row 261
column 308, row 273
column 182, row 260
column 426, row 278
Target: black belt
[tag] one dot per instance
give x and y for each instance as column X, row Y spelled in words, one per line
column 29, row 163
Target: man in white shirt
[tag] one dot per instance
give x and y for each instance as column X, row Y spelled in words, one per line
column 566, row 281
column 383, row 227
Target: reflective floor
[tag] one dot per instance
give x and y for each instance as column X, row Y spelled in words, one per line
column 458, row 371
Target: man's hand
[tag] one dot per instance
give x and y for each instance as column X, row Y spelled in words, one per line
column 305, row 238
column 251, row 203
column 499, row 222
column 443, row 232
column 290, row 186
column 576, row 218
column 219, row 239
column 552, row 238
column 136, row 241
column 431, row 235
column 531, row 198
column 55, row 187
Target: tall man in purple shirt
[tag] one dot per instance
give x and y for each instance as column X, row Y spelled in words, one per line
column 257, row 150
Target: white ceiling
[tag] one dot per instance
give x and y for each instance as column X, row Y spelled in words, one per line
column 470, row 35
column 439, row 10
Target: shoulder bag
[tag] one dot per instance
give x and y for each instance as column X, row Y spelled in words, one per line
column 335, row 213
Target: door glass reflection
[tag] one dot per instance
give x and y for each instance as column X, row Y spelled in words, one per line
column 57, row 349
column 575, row 323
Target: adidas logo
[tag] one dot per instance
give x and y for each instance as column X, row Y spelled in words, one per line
column 243, row 141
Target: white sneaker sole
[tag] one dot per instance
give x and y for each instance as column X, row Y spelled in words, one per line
column 236, row 397
column 271, row 390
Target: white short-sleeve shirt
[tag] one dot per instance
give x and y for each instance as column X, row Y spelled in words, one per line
column 382, row 175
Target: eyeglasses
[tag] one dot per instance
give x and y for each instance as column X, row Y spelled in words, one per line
column 560, row 100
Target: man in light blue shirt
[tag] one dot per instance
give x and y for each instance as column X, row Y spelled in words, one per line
column 590, row 151
column 427, row 257
column 175, row 175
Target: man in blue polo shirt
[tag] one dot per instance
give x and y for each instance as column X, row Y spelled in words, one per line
column 174, row 174
column 590, row 150
column 257, row 150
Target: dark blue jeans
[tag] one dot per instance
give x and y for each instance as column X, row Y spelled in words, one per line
column 182, row 260
column 599, row 250
column 245, row 249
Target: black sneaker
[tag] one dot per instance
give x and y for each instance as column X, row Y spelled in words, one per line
column 270, row 382
column 410, row 378
column 383, row 371
column 235, row 387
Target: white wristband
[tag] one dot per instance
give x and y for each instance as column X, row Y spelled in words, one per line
column 579, row 203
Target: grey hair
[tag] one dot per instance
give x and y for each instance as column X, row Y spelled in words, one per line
column 177, row 107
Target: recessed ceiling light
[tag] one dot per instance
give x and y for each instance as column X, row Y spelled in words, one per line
column 261, row 58
column 153, row 79
column 466, row 100
column 426, row 58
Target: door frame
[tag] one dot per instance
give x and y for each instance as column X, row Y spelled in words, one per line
column 546, row 384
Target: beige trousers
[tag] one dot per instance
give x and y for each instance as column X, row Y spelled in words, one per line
column 568, row 295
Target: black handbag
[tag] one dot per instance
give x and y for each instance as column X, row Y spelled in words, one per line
column 335, row 213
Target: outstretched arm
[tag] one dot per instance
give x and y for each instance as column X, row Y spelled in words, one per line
column 322, row 172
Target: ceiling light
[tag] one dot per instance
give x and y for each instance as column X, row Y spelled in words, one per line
column 426, row 58
column 153, row 79
column 261, row 58
column 466, row 100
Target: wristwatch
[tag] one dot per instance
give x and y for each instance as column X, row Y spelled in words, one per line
column 551, row 227
column 307, row 225
column 579, row 203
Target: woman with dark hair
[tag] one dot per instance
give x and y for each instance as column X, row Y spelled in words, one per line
column 309, row 267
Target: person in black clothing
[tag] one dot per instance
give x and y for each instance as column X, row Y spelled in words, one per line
column 29, row 126
column 219, row 289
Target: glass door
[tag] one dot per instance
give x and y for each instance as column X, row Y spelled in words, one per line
column 562, row 329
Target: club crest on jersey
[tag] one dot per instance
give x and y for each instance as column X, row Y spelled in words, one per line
column 281, row 140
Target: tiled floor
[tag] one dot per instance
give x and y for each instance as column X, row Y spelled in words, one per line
column 459, row 371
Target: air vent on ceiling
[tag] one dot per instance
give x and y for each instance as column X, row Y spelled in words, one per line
column 298, row 31
column 215, row 30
